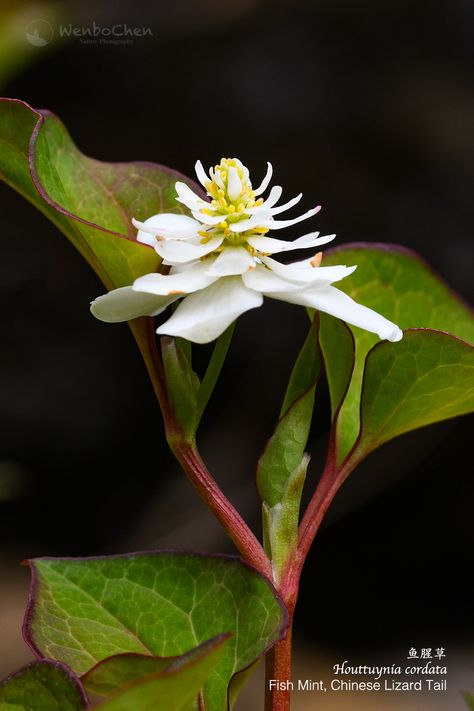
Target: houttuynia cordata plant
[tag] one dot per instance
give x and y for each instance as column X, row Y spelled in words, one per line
column 181, row 261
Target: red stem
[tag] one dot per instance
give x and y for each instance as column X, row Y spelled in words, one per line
column 278, row 673
column 230, row 519
column 188, row 456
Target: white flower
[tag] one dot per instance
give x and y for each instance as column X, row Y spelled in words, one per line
column 219, row 261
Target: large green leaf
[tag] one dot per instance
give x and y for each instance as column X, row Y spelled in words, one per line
column 91, row 202
column 163, row 604
column 284, row 451
column 401, row 286
column 427, row 377
column 174, row 689
column 42, row 686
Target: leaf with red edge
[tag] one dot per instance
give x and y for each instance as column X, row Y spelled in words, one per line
column 402, row 287
column 109, row 674
column 91, row 202
column 427, row 377
column 42, row 686
column 174, row 689
column 82, row 611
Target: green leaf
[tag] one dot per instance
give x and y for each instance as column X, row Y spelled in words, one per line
column 161, row 604
column 174, row 689
column 214, row 368
column 91, row 202
column 42, row 686
column 337, row 346
column 402, row 287
column 285, row 449
column 121, row 669
column 424, row 378
column 238, row 683
column 281, row 520
column 182, row 383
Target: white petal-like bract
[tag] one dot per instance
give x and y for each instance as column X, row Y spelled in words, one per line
column 203, row 316
column 220, row 263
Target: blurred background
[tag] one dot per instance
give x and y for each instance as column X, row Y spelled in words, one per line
column 368, row 108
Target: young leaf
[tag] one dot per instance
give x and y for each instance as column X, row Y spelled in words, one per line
column 161, row 604
column 91, row 202
column 213, row 369
column 427, row 377
column 285, row 449
column 400, row 285
column 337, row 346
column 174, row 689
column 42, row 686
column 281, row 520
column 182, row 383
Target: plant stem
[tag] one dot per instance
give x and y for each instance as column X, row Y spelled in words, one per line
column 278, row 673
column 331, row 480
column 230, row 519
column 188, row 456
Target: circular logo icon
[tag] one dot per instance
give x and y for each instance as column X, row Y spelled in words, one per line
column 39, row 33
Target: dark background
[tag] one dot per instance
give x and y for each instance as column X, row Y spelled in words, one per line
column 368, row 108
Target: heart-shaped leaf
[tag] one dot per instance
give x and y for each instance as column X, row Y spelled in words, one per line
column 284, row 451
column 42, row 686
column 161, row 604
column 427, row 377
column 174, row 689
column 91, row 202
column 399, row 285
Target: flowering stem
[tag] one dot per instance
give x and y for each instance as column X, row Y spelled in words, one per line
column 331, row 480
column 188, row 456
column 230, row 519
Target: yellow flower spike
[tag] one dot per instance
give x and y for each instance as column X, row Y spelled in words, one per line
column 223, row 225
